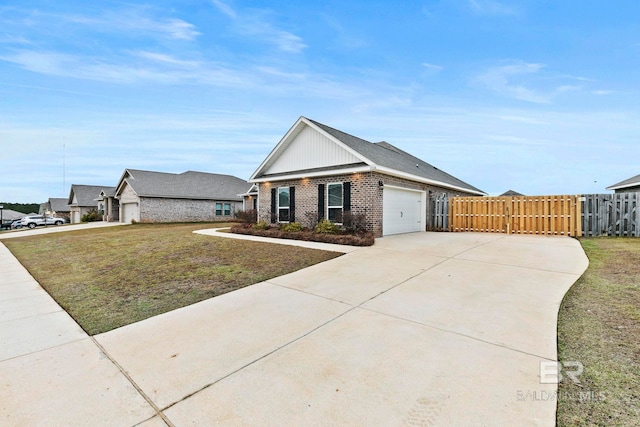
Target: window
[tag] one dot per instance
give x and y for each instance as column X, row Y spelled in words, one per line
column 218, row 209
column 334, row 205
column 227, row 209
column 283, row 204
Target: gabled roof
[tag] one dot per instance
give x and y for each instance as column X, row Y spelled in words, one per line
column 511, row 193
column 365, row 156
column 59, row 204
column 252, row 191
column 634, row 181
column 85, row 195
column 186, row 185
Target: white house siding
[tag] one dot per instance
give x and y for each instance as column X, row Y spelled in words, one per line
column 183, row 210
column 310, row 149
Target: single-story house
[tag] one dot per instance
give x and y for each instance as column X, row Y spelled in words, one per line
column 316, row 171
column 630, row 185
column 56, row 206
column 147, row 196
column 108, row 205
column 82, row 200
column 10, row 214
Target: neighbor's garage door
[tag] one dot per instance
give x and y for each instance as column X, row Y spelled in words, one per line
column 130, row 212
column 403, row 211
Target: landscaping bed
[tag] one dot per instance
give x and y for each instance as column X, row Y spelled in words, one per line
column 336, row 236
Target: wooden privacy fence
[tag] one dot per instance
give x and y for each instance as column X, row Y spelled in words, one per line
column 438, row 212
column 611, row 214
column 550, row 215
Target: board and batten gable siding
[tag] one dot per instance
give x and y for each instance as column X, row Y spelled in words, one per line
column 309, row 150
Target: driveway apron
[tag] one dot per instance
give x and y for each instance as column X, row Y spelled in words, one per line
column 420, row 329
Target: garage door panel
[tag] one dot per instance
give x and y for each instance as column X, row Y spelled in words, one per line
column 130, row 213
column 402, row 211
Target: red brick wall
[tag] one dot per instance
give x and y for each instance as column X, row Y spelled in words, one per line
column 366, row 195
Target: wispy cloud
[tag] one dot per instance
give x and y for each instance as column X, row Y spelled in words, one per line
column 492, row 7
column 159, row 68
column 432, row 67
column 257, row 25
column 501, row 80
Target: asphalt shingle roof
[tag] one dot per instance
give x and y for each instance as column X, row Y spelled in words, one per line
column 186, row 185
column 86, row 195
column 631, row 182
column 389, row 156
column 59, row 204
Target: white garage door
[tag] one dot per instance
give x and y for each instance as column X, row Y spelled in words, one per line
column 130, row 212
column 403, row 211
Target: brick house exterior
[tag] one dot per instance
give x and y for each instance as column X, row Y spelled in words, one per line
column 313, row 157
column 84, row 199
column 147, row 196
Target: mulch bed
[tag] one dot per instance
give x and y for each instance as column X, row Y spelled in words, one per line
column 361, row 239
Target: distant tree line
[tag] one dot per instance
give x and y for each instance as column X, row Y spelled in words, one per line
column 26, row 208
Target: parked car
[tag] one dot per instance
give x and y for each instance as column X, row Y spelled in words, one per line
column 32, row 221
column 16, row 223
column 6, row 225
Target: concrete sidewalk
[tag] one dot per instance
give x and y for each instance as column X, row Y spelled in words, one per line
column 420, row 329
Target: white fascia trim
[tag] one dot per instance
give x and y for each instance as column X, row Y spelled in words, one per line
column 618, row 187
column 408, row 176
column 314, row 174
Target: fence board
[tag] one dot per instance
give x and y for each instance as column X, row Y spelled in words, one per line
column 559, row 215
column 611, row 215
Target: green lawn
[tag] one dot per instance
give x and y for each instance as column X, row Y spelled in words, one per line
column 599, row 326
column 110, row 277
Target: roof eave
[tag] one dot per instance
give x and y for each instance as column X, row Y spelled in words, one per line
column 411, row 177
column 618, row 186
column 315, row 174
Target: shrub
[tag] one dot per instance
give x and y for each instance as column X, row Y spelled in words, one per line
column 326, row 227
column 250, row 216
column 292, row 227
column 310, row 220
column 92, row 215
column 261, row 225
column 353, row 223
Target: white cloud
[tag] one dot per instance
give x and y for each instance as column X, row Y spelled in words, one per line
column 432, row 67
column 257, row 25
column 500, row 79
column 225, row 8
column 491, row 7
column 602, row 92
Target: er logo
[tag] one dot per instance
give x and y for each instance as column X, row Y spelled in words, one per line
column 551, row 372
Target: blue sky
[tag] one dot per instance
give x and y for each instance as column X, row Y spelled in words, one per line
column 542, row 97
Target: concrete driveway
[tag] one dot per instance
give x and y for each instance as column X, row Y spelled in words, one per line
column 420, row 329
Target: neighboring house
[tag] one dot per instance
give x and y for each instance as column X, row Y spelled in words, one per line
column 82, row 200
column 56, row 206
column 147, row 196
column 108, row 205
column 511, row 193
column 320, row 172
column 630, row 185
column 10, row 214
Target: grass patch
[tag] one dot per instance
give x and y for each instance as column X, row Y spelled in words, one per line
column 599, row 326
column 110, row 277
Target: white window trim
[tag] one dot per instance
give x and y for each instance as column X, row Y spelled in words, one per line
column 335, row 207
column 288, row 208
